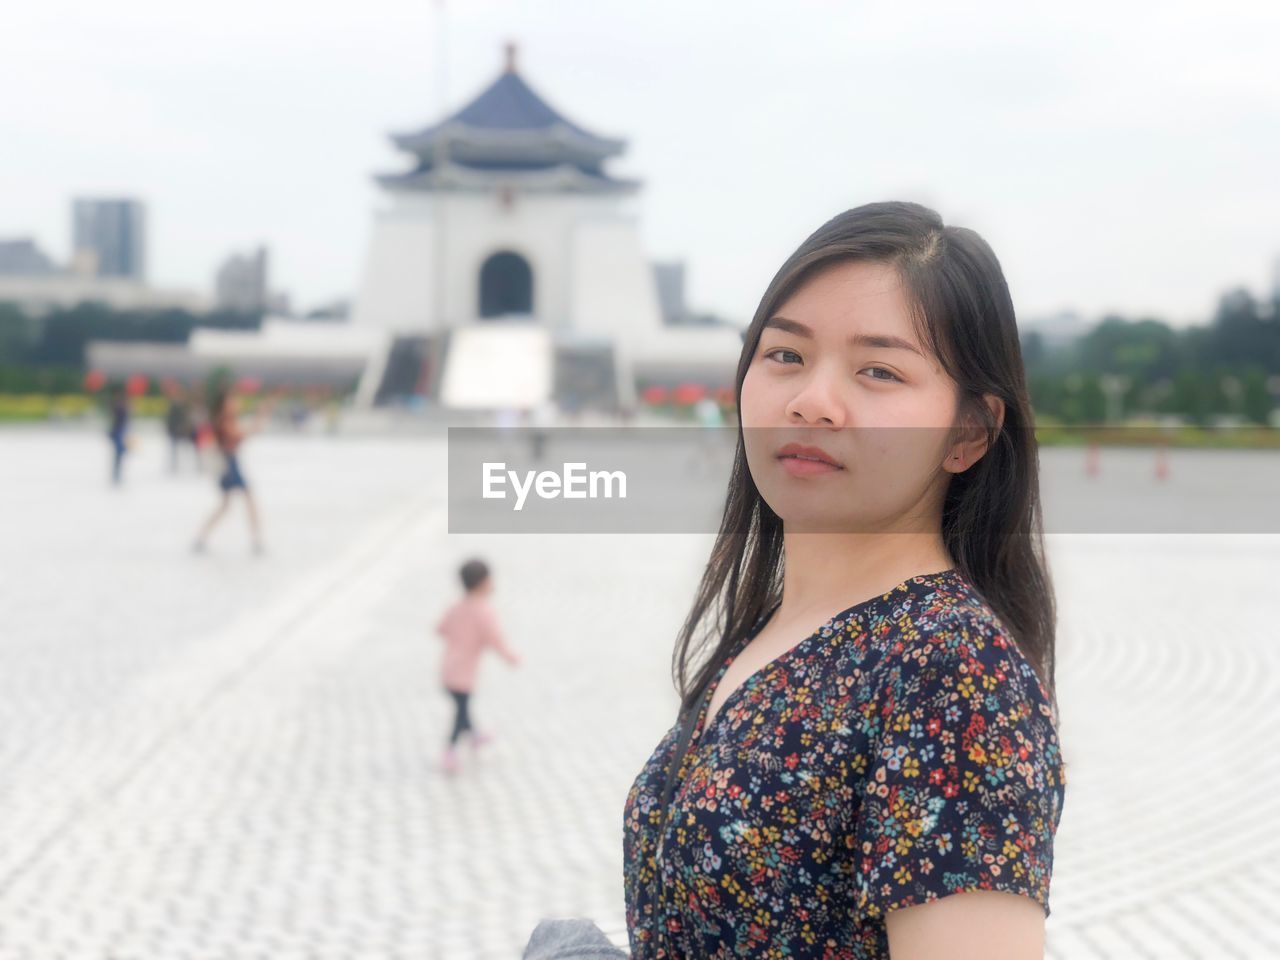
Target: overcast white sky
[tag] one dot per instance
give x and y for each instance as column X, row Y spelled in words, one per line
column 1117, row 155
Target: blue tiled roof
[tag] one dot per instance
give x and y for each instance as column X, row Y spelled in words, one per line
column 425, row 165
column 423, row 177
column 510, row 104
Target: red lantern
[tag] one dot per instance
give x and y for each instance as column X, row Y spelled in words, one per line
column 249, row 385
column 137, row 384
column 724, row 395
column 654, row 395
column 94, row 381
column 688, row 393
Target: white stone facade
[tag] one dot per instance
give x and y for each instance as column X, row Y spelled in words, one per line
column 590, row 276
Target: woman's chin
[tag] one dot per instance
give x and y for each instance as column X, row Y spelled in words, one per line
column 800, row 517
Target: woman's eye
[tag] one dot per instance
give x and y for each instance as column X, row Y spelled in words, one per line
column 770, row 353
column 889, row 378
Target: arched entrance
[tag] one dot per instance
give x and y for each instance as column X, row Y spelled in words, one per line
column 506, row 285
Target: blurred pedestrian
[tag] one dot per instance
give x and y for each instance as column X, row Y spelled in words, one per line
column 118, row 431
column 709, row 416
column 541, row 418
column 469, row 627
column 228, row 434
column 179, row 424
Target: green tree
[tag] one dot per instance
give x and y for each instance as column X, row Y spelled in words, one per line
column 17, row 335
column 1190, row 396
column 1256, row 399
column 1143, row 350
column 1084, row 402
column 1243, row 333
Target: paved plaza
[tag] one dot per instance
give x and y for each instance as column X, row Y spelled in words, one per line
column 233, row 757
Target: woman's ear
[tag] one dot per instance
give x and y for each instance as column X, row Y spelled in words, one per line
column 996, row 406
column 971, row 446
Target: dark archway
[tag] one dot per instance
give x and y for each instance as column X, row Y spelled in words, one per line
column 506, row 285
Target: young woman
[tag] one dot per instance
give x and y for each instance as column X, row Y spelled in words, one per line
column 866, row 762
column 229, row 435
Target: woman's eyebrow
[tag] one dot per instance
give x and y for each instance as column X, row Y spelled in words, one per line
column 883, row 340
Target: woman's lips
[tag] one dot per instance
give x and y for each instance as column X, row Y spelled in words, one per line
column 804, row 467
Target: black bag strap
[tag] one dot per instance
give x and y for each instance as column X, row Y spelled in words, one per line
column 690, row 721
column 682, row 747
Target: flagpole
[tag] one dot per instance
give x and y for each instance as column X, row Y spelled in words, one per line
column 442, row 59
column 439, row 323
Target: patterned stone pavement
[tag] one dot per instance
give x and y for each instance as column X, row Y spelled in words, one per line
column 228, row 756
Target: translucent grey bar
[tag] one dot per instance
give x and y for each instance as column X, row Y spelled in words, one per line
column 629, row 479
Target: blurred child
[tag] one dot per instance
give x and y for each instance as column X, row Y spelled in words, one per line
column 469, row 627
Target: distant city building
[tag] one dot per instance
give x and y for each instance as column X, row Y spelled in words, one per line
column 21, row 257
column 242, row 283
column 106, row 266
column 40, row 293
column 84, row 263
column 114, row 232
column 338, row 309
column 670, row 280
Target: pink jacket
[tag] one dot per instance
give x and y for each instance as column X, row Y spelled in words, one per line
column 468, row 627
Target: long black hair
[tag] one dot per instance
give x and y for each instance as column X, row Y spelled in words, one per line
column 219, row 410
column 991, row 520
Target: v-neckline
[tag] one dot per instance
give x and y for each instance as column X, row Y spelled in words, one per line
column 704, row 721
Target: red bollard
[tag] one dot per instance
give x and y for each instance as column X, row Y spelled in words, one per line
column 1162, row 464
column 1091, row 465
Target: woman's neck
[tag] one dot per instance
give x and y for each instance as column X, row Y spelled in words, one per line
column 824, row 571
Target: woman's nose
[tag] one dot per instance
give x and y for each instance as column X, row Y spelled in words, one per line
column 819, row 402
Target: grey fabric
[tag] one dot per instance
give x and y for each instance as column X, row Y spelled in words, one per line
column 562, row 939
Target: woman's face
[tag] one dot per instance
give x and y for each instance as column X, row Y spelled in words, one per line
column 839, row 369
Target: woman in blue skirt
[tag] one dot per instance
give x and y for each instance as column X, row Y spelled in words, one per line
column 229, row 436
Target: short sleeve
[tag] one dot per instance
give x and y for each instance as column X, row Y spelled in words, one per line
column 965, row 783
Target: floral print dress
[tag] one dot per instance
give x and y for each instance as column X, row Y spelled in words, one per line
column 903, row 751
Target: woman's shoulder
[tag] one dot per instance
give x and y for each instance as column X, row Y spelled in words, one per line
column 948, row 633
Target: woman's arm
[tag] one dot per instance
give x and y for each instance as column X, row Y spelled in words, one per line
column 975, row 925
